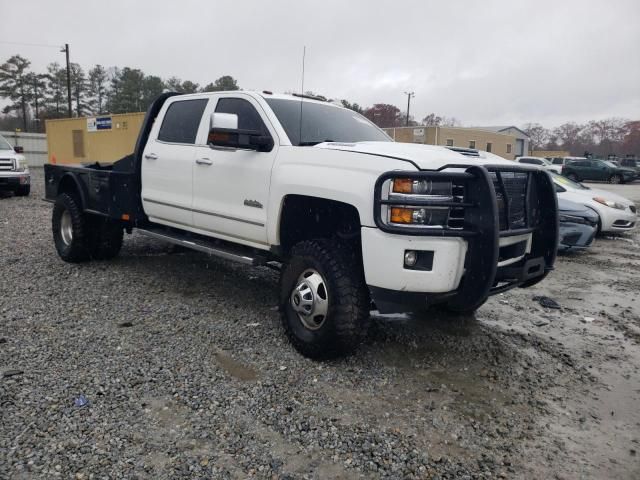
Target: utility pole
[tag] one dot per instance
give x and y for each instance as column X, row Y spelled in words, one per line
column 66, row 51
column 35, row 93
column 409, row 95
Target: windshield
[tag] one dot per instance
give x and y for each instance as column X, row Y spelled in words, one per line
column 565, row 182
column 610, row 164
column 323, row 123
column 4, row 145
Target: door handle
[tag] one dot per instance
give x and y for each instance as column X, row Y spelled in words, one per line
column 151, row 156
column 204, row 161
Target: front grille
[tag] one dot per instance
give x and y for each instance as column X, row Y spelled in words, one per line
column 6, row 164
column 456, row 214
column 511, row 193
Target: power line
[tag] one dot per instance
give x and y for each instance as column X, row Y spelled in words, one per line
column 29, row 44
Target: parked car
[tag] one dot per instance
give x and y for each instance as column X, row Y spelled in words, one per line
column 578, row 225
column 631, row 163
column 594, row 169
column 351, row 216
column 560, row 161
column 541, row 162
column 14, row 171
column 616, row 213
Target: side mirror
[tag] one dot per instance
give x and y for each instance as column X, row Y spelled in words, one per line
column 227, row 121
column 18, row 149
column 224, row 132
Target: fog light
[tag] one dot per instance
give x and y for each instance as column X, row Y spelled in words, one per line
column 410, row 258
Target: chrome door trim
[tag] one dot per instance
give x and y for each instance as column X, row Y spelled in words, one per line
column 213, row 214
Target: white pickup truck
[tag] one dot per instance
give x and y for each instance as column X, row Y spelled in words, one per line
column 14, row 171
column 353, row 220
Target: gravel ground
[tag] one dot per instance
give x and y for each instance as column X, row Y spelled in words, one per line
column 186, row 373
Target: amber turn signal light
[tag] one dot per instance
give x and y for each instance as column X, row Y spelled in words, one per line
column 402, row 185
column 401, row 215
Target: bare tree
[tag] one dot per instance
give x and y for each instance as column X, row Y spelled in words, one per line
column 568, row 133
column 631, row 144
column 450, row 122
column 538, row 135
column 433, row 120
column 608, row 133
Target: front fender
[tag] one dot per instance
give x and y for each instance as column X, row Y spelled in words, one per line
column 345, row 177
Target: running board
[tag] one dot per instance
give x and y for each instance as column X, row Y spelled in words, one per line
column 234, row 253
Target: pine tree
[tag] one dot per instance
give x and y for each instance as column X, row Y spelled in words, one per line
column 14, row 86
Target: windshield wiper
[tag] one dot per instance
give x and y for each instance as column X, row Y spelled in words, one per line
column 311, row 144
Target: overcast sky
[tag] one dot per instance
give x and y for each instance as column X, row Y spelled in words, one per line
column 486, row 63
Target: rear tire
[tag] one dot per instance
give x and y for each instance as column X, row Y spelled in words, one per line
column 324, row 302
column 23, row 191
column 69, row 228
column 573, row 177
column 615, row 179
column 105, row 238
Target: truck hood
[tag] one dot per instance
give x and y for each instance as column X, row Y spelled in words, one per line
column 10, row 154
column 425, row 157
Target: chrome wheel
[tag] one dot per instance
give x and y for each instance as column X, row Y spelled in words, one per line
column 66, row 228
column 310, row 300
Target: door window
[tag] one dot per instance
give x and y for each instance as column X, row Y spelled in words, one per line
column 248, row 116
column 181, row 121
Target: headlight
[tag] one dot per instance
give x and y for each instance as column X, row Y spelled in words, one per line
column 609, row 203
column 418, row 202
column 562, row 218
column 421, row 187
column 21, row 165
column 436, row 216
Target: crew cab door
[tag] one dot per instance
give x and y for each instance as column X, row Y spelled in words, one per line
column 167, row 162
column 231, row 185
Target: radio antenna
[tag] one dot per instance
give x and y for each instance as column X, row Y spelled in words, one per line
column 304, row 52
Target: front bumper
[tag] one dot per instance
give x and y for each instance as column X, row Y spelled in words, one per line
column 483, row 257
column 614, row 220
column 576, row 235
column 13, row 180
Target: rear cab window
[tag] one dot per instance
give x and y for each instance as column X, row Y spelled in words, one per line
column 181, row 121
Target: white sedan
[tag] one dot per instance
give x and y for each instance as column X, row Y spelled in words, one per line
column 541, row 162
column 617, row 214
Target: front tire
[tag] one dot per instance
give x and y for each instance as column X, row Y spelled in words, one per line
column 69, row 230
column 324, row 302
